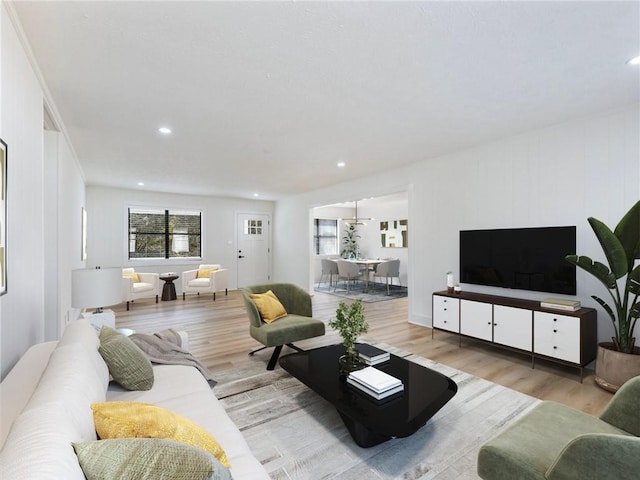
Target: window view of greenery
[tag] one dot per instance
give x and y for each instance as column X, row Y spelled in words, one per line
column 325, row 236
column 156, row 233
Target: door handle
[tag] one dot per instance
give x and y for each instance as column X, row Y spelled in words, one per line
column 240, row 256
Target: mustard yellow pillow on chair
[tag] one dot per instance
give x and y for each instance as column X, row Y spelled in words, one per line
column 134, row 276
column 269, row 306
column 143, row 420
column 205, row 272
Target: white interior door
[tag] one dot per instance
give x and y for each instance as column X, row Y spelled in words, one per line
column 253, row 251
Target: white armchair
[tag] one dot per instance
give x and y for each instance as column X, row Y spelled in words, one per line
column 137, row 285
column 208, row 278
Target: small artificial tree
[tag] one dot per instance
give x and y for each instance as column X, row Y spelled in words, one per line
column 350, row 323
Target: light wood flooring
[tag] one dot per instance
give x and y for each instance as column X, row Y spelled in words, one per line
column 219, row 337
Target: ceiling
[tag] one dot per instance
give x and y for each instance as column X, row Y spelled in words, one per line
column 267, row 97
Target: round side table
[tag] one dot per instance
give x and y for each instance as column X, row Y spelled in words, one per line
column 169, row 289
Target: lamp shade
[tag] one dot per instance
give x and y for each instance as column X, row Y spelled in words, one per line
column 96, row 287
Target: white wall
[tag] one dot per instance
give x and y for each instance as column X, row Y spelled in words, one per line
column 21, row 308
column 64, row 222
column 107, row 227
column 21, row 128
column 43, row 192
column 554, row 176
column 394, row 207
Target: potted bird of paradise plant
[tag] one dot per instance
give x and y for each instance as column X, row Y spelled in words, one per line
column 618, row 360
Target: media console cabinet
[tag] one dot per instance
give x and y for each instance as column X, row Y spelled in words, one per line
column 567, row 337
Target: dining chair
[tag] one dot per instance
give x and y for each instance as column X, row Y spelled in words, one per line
column 329, row 267
column 374, row 268
column 388, row 270
column 348, row 271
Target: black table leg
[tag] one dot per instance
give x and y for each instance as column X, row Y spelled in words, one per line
column 363, row 437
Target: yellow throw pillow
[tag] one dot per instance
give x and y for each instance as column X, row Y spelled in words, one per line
column 143, row 420
column 269, row 306
column 205, row 272
column 134, row 275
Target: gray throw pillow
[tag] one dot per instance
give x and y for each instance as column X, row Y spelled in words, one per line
column 128, row 365
column 147, row 459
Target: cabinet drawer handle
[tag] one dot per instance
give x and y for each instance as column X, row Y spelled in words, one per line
column 555, row 319
column 555, row 348
column 488, row 323
column 445, row 309
column 555, row 331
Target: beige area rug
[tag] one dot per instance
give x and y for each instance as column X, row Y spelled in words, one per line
column 298, row 435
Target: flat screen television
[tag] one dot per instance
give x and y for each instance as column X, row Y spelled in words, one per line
column 521, row 258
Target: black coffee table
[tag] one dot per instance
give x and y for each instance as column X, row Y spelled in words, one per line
column 369, row 421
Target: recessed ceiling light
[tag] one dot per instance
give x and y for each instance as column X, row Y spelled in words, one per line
column 164, row 130
column 341, row 164
column 256, row 194
column 141, row 184
column 634, row 61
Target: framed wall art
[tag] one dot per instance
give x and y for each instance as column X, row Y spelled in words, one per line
column 394, row 233
column 3, row 217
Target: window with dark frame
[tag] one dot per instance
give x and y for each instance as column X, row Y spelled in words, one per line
column 325, row 236
column 164, row 233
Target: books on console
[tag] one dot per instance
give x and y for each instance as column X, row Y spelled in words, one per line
column 372, row 355
column 560, row 304
column 375, row 383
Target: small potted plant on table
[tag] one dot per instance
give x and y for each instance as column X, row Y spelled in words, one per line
column 350, row 323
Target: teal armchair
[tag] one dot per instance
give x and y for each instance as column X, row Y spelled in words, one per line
column 297, row 325
column 556, row 442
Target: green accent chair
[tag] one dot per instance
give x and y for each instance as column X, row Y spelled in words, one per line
column 556, row 442
column 297, row 325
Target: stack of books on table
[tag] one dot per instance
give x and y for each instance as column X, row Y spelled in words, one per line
column 560, row 304
column 371, row 355
column 375, row 383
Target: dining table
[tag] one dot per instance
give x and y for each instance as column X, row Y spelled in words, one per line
column 368, row 264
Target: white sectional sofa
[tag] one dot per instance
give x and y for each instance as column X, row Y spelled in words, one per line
column 46, row 398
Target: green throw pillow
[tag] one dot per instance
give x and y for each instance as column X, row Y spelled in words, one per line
column 128, row 365
column 147, row 459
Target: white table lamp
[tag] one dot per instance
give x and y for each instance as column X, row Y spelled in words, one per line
column 96, row 288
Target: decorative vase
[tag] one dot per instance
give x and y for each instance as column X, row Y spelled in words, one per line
column 449, row 282
column 350, row 362
column 613, row 368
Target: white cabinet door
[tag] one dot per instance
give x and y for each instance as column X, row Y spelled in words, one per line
column 475, row 319
column 557, row 336
column 513, row 327
column 446, row 312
